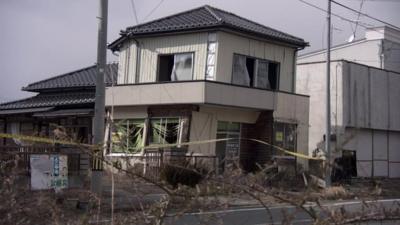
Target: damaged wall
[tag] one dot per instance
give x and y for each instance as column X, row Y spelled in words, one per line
column 228, row 44
column 365, row 113
column 151, row 47
column 204, row 124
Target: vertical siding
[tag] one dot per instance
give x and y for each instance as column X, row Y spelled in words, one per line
column 228, row 44
column 121, row 67
column 127, row 65
column 150, row 48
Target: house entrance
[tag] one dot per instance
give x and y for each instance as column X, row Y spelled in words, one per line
column 228, row 151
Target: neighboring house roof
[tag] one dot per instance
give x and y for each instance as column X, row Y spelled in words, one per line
column 51, row 100
column 82, row 78
column 334, row 47
column 206, row 17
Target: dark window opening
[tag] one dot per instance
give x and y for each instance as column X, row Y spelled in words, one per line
column 273, row 75
column 175, row 67
column 254, row 72
column 250, row 69
column 345, row 167
column 166, row 64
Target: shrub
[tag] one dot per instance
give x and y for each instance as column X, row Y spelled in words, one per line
column 186, row 175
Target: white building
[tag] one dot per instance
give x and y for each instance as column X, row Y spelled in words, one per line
column 364, row 101
column 379, row 48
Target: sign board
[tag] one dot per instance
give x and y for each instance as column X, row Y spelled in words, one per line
column 49, row 171
column 279, row 136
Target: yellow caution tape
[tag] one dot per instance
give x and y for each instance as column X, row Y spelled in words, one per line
column 55, row 141
column 41, row 139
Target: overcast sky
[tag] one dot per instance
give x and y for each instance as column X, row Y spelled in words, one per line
column 44, row 38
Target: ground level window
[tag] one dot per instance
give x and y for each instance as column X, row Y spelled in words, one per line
column 127, row 135
column 175, row 67
column 285, row 136
column 165, row 131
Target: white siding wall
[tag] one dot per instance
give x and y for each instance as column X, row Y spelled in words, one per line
column 310, row 80
column 151, row 47
column 294, row 109
column 127, row 65
column 372, row 98
column 392, row 55
column 366, row 52
column 228, row 44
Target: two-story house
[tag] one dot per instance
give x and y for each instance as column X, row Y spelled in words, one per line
column 208, row 74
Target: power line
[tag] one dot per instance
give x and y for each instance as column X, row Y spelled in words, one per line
column 153, row 10
column 134, row 11
column 358, row 18
column 364, row 14
column 394, row 1
column 339, row 16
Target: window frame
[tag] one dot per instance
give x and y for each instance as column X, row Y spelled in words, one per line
column 179, row 134
column 110, row 146
column 173, row 54
column 255, row 73
column 285, row 128
column 227, row 133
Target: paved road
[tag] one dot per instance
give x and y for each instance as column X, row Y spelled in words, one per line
column 257, row 216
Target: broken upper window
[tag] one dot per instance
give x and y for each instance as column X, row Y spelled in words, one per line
column 175, row 67
column 240, row 74
column 253, row 72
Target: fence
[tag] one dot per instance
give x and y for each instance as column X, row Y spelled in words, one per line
column 153, row 160
column 21, row 154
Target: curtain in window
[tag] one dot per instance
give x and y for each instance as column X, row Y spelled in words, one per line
column 240, row 74
column 262, row 75
column 182, row 69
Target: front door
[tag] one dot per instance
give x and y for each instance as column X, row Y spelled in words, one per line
column 228, row 151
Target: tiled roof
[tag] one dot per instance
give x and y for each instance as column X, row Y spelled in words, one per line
column 85, row 77
column 207, row 17
column 51, row 99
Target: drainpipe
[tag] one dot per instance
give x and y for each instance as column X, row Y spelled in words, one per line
column 381, row 54
column 294, row 70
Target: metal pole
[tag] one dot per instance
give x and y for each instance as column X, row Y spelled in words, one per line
column 328, row 100
column 99, row 107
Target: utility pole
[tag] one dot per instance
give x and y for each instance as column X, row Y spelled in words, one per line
column 99, row 107
column 328, row 100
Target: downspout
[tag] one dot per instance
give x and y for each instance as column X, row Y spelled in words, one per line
column 381, row 54
column 294, row 70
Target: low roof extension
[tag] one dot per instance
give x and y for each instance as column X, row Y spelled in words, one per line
column 85, row 77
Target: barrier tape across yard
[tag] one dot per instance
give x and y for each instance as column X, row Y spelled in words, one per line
column 63, row 142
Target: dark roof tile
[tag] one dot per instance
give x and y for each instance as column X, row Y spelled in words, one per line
column 51, row 99
column 207, row 17
column 85, row 77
